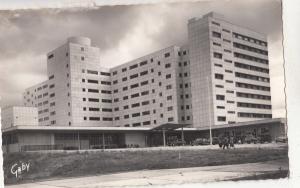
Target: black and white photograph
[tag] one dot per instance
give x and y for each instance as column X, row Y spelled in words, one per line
column 134, row 95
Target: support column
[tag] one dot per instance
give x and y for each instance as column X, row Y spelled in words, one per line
column 78, row 141
column 182, row 136
column 164, row 137
column 103, row 141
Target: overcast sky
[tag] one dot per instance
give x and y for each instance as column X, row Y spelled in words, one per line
column 123, row 33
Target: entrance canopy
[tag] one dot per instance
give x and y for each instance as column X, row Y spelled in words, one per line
column 169, row 126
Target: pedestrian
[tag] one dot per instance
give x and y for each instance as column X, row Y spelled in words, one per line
column 220, row 142
column 231, row 142
column 225, row 143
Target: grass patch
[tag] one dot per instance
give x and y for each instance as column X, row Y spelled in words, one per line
column 65, row 164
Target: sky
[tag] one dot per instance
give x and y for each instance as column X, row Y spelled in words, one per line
column 123, row 33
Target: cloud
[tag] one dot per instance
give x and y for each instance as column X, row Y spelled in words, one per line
column 122, row 33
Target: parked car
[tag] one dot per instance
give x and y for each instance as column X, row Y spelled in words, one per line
column 201, row 141
column 251, row 139
column 177, row 142
column 281, row 139
column 215, row 140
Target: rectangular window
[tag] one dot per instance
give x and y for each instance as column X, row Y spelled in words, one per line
column 134, row 86
column 105, row 92
column 143, row 63
column 146, row 122
column 169, row 87
column 94, row 118
column 106, row 110
column 219, row 76
column 93, row 100
column 135, row 115
column 105, row 73
column 94, row 109
column 115, row 81
column 220, row 97
column 93, row 90
column 144, row 83
column 134, row 76
column 221, row 118
column 145, row 93
column 145, row 113
column 135, row 95
column 215, row 23
column 107, row 119
column 168, row 65
column 106, row 100
column 145, row 103
column 218, row 55
column 50, row 56
column 170, row 119
column 136, row 124
column 167, row 55
column 93, row 81
column 135, row 105
column 216, row 34
column 92, row 72
column 144, row 73
column 105, row 83
column 170, row 108
column 124, row 69
column 133, row 66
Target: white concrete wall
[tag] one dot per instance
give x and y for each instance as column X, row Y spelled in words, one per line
column 19, row 116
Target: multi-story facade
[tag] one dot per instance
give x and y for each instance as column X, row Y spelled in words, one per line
column 220, row 76
column 229, row 72
column 18, row 116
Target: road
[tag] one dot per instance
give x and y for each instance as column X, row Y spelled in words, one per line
column 163, row 176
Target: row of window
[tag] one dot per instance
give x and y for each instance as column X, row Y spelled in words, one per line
column 252, row 86
column 254, row 115
column 253, row 96
column 251, row 77
column 44, row 119
column 250, row 67
column 249, row 39
column 145, row 62
column 98, row 118
column 96, row 109
column 253, row 105
column 249, row 48
column 251, row 58
column 96, row 72
column 95, row 100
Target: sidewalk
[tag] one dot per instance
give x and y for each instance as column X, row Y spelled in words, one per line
column 164, row 176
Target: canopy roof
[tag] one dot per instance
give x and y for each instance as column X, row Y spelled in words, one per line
column 169, row 126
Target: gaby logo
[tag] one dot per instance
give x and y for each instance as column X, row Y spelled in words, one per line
column 19, row 168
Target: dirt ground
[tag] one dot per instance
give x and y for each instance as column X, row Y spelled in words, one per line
column 57, row 165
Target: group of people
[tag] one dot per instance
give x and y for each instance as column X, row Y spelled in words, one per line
column 226, row 142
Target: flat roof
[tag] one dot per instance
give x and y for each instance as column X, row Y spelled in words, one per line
column 166, row 126
column 169, row 126
column 72, row 128
column 246, row 123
